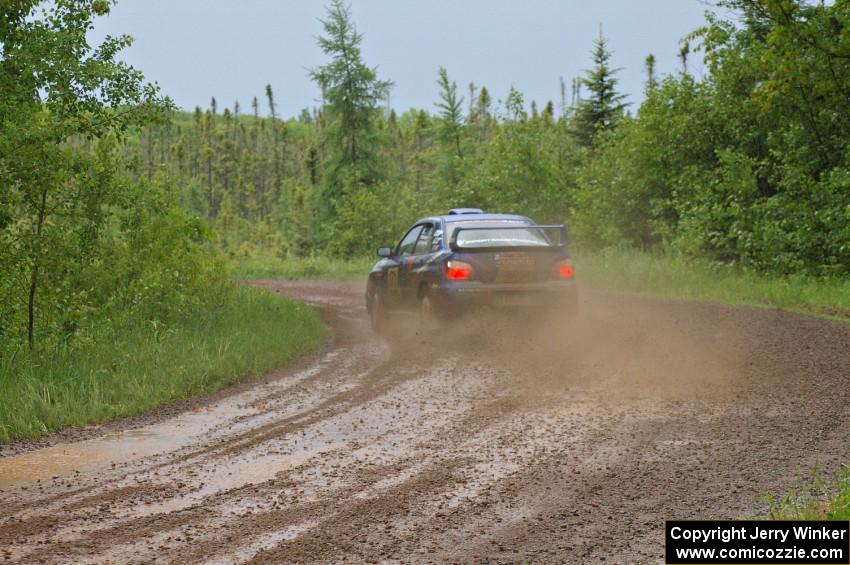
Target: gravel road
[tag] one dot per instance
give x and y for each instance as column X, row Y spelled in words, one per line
column 500, row 439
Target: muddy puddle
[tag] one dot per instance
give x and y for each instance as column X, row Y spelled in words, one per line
column 168, row 436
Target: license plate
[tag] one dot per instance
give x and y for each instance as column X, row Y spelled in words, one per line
column 514, row 267
column 513, row 300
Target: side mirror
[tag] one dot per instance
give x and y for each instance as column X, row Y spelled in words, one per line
column 385, row 252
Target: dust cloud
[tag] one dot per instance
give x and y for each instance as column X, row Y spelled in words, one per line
column 636, row 348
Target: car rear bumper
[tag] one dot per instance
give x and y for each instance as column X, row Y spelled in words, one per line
column 463, row 295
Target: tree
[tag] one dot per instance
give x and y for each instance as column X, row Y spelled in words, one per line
column 515, row 105
column 684, row 52
column 651, row 80
column 747, row 165
column 55, row 88
column 352, row 95
column 604, row 106
column 270, row 99
column 421, row 127
column 451, row 114
column 481, row 116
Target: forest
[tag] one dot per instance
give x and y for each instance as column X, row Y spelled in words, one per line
column 747, row 166
column 119, row 212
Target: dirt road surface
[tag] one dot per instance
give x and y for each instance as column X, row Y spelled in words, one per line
column 502, row 440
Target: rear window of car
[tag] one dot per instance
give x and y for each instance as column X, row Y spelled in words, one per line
column 495, row 234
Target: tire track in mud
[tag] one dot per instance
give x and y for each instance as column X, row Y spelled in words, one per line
column 143, row 527
column 498, row 440
column 127, row 533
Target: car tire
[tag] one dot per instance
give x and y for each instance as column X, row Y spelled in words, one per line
column 377, row 314
column 429, row 318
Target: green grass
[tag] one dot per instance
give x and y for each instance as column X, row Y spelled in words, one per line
column 618, row 270
column 670, row 276
column 144, row 366
column 816, row 501
column 316, row 267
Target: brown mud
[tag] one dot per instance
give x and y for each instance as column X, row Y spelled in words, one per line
column 496, row 439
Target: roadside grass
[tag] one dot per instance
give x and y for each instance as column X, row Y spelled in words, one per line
column 143, row 366
column 300, row 268
column 815, row 501
column 630, row 271
column 616, row 270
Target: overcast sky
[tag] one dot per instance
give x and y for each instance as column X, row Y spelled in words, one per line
column 196, row 49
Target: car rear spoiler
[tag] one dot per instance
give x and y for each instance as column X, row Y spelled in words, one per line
column 560, row 228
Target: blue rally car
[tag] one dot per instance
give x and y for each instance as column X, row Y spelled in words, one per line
column 446, row 265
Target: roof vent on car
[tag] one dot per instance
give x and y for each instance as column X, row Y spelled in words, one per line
column 458, row 211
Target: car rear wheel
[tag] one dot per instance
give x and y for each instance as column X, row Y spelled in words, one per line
column 377, row 313
column 429, row 318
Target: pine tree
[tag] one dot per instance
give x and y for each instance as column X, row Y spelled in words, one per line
column 451, row 116
column 548, row 113
column 352, row 95
column 421, row 126
column 563, row 97
column 604, row 105
column 651, row 80
column 482, row 114
column 270, row 99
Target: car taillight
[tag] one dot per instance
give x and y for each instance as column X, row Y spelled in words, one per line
column 459, row 271
column 564, row 269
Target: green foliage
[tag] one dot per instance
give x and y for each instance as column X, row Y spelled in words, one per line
column 816, row 500
column 382, row 212
column 451, row 118
column 748, row 166
column 113, row 298
column 296, row 268
column 139, row 364
column 63, row 103
column 745, row 167
column 604, row 107
column 651, row 78
column 527, row 167
column 126, row 249
column 628, row 187
column 351, row 93
column 674, row 275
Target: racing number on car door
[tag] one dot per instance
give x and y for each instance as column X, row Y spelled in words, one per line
column 392, row 279
column 411, row 274
column 396, row 279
